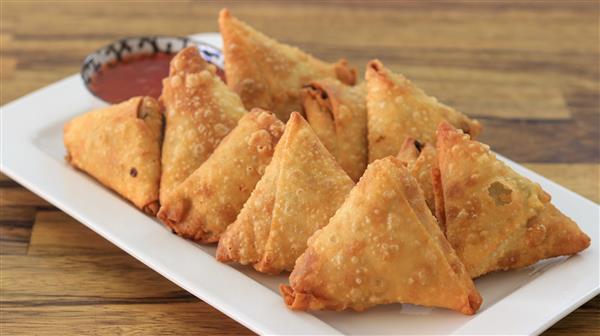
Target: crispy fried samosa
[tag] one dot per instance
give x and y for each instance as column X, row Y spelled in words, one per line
column 199, row 111
column 382, row 246
column 269, row 74
column 420, row 160
column 205, row 203
column 120, row 146
column 338, row 115
column 302, row 188
column 495, row 218
column 398, row 109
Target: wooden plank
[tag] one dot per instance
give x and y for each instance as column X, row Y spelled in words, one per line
column 109, row 293
column 584, row 179
column 15, row 229
column 12, row 246
column 19, row 214
column 545, row 142
column 473, row 25
column 11, row 196
column 6, row 181
column 172, row 318
column 55, row 232
column 8, row 66
column 68, row 279
column 506, row 100
column 445, row 50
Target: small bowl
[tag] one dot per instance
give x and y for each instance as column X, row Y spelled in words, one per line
column 143, row 45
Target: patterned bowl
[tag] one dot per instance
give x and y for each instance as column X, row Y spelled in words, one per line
column 143, row 45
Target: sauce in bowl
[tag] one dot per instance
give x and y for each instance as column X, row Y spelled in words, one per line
column 136, row 66
column 135, row 75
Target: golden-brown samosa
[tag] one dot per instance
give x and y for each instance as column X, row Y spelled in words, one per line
column 420, row 160
column 338, row 115
column 495, row 218
column 302, row 188
column 397, row 109
column 269, row 74
column 120, row 146
column 382, row 246
column 199, row 111
column 205, row 203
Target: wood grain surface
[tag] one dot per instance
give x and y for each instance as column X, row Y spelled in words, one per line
column 529, row 71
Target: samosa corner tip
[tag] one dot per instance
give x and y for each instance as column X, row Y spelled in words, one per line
column 295, row 118
column 444, row 130
column 295, row 122
column 376, row 71
column 224, row 14
column 152, row 208
column 344, row 72
column 374, row 67
column 187, row 60
column 301, row 301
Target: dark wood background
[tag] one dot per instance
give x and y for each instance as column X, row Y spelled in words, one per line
column 529, row 71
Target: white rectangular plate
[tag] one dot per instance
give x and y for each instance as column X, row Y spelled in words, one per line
column 526, row 301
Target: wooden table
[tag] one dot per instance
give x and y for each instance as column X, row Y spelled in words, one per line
column 529, row 72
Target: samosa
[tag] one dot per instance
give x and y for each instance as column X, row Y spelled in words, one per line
column 420, row 159
column 338, row 115
column 199, row 111
column 204, row 204
column 269, row 74
column 120, row 146
column 382, row 246
column 495, row 218
column 397, row 109
column 302, row 188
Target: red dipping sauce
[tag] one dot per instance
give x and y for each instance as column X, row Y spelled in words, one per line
column 136, row 75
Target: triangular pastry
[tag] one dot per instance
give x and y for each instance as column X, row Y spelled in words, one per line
column 420, row 160
column 495, row 218
column 338, row 115
column 382, row 246
column 269, row 74
column 205, row 203
column 199, row 111
column 397, row 109
column 302, row 188
column 120, row 146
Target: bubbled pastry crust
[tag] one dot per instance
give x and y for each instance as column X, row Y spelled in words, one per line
column 206, row 202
